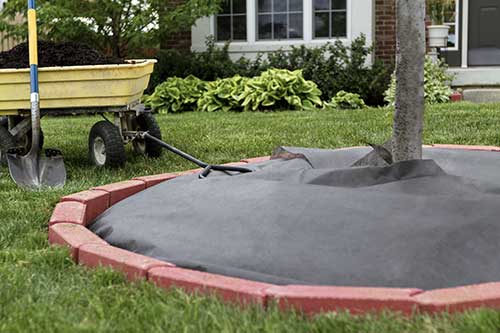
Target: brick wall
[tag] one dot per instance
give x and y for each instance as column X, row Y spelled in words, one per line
column 181, row 40
column 385, row 30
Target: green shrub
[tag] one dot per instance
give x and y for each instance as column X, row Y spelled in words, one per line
column 437, row 84
column 346, row 101
column 333, row 67
column 223, row 95
column 280, row 89
column 275, row 89
column 177, row 95
column 210, row 65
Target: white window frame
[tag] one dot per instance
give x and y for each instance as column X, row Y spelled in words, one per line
column 272, row 13
column 457, row 28
column 253, row 44
column 231, row 15
column 331, row 11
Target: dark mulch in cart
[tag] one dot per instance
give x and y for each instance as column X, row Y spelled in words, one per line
column 51, row 54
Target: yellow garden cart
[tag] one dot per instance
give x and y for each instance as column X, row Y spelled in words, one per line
column 75, row 90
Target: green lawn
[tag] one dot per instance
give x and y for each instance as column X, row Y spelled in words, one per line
column 42, row 290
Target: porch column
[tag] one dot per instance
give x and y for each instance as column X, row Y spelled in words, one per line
column 465, row 33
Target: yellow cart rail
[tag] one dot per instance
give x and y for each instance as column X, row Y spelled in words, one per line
column 83, row 90
column 76, row 86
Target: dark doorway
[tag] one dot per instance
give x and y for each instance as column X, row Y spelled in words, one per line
column 484, row 32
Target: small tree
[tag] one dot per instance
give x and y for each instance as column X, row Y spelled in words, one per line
column 409, row 103
column 118, row 26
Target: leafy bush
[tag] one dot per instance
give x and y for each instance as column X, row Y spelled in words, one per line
column 223, row 95
column 346, row 101
column 177, row 95
column 274, row 89
column 280, row 89
column 333, row 67
column 210, row 65
column 437, row 83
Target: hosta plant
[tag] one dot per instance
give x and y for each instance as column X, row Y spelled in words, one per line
column 275, row 89
column 177, row 95
column 223, row 95
column 346, row 101
column 280, row 89
column 437, row 84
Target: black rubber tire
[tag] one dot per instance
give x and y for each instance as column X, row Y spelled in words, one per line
column 4, row 121
column 6, row 142
column 146, row 122
column 114, row 150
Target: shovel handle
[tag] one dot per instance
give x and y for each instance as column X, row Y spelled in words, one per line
column 34, row 97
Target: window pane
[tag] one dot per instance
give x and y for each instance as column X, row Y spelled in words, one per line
column 452, row 37
column 239, row 6
column 322, row 25
column 339, row 4
column 280, row 6
column 296, row 5
column 280, row 26
column 265, row 6
column 226, row 7
column 321, row 4
column 223, row 28
column 339, row 24
column 265, row 27
column 296, row 26
column 240, row 27
column 450, row 12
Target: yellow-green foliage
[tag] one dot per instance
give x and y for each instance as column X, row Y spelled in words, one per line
column 346, row 101
column 437, row 84
column 274, row 89
column 177, row 95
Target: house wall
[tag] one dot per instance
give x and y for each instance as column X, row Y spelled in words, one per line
column 385, row 30
column 360, row 21
column 5, row 42
column 181, row 40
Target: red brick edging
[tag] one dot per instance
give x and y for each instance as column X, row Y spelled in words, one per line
column 67, row 227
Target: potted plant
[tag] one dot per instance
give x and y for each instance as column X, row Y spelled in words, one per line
column 438, row 31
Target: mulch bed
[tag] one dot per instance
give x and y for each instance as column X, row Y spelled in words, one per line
column 51, row 54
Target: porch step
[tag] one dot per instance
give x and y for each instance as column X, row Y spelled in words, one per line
column 482, row 95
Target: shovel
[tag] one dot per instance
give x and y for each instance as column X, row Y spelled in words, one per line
column 33, row 171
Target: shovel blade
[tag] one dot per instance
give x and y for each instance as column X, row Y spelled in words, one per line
column 34, row 171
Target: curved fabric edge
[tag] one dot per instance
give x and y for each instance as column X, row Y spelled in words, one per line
column 68, row 227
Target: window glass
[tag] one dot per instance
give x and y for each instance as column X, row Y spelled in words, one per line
column 265, row 6
column 330, row 18
column 231, row 22
column 280, row 19
column 451, row 19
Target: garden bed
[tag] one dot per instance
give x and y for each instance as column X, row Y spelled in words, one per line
column 52, row 54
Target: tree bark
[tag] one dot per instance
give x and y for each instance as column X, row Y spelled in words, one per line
column 410, row 58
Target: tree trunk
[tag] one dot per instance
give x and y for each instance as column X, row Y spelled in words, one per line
column 409, row 114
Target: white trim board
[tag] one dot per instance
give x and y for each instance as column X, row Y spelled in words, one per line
column 465, row 34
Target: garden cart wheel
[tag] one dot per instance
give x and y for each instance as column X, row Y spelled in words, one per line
column 6, row 142
column 24, row 143
column 146, row 122
column 106, row 147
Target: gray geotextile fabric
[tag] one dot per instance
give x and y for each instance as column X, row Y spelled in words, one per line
column 308, row 217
